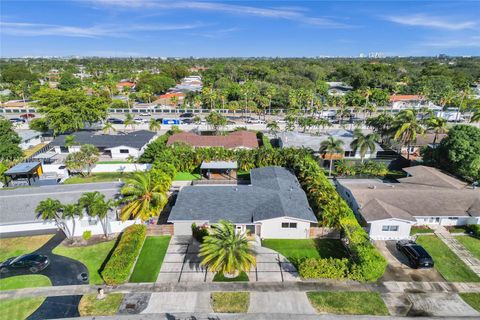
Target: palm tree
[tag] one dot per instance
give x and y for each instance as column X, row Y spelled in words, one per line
column 330, row 147
column 226, row 251
column 273, row 127
column 129, row 121
column 108, row 127
column 72, row 211
column 406, row 128
column 96, row 206
column 143, row 196
column 131, row 159
column 154, row 125
column 174, row 100
column 364, row 143
column 475, row 117
column 438, row 125
column 69, row 141
column 50, row 209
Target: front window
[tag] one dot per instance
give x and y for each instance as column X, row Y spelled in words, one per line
column 123, row 150
column 289, row 225
column 389, row 228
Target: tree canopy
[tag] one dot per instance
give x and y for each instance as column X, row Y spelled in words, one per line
column 9, row 140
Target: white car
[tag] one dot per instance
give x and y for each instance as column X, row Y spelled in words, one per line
column 140, row 120
column 145, row 114
column 255, row 121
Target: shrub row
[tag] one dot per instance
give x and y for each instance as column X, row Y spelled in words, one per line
column 331, row 268
column 119, row 266
column 199, row 232
column 474, row 229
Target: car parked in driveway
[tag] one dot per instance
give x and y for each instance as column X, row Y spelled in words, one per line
column 417, row 256
column 32, row 262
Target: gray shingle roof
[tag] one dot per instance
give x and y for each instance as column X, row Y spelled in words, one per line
column 274, row 193
column 136, row 139
column 18, row 205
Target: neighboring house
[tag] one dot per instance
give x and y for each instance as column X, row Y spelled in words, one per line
column 116, row 146
column 426, row 197
column 411, row 101
column 121, row 85
column 30, row 138
column 166, row 99
column 235, row 140
column 338, row 89
column 416, row 147
column 290, row 139
column 273, row 206
column 19, row 216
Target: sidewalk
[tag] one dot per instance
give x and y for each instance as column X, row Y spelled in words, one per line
column 463, row 253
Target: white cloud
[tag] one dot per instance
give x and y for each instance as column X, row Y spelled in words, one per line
column 422, row 20
column 96, row 31
column 473, row 41
column 288, row 13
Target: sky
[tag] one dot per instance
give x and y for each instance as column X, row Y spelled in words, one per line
column 136, row 28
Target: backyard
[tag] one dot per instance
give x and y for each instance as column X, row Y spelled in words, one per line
column 150, row 259
column 446, row 262
column 348, row 303
column 93, row 256
column 296, row 250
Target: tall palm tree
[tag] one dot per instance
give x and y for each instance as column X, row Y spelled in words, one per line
column 273, row 127
column 407, row 127
column 95, row 205
column 69, row 141
column 226, row 251
column 364, row 143
column 329, row 148
column 129, row 121
column 51, row 209
column 437, row 125
column 72, row 211
column 107, row 127
column 154, row 125
column 143, row 197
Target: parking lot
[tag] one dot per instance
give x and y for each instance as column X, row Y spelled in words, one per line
column 398, row 268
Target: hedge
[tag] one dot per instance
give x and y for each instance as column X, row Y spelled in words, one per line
column 120, row 265
column 331, row 268
column 199, row 232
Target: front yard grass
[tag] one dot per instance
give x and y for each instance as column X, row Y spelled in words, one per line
column 93, row 256
column 471, row 243
column 99, row 177
column 297, row 250
column 25, row 281
column 348, row 303
column 19, row 309
column 230, row 302
column 219, row 277
column 420, row 229
column 473, row 299
column 90, row 306
column 446, row 262
column 150, row 259
column 12, row 247
column 186, row 176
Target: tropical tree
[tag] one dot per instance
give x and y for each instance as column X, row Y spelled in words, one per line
column 216, row 120
column 131, row 159
column 51, row 209
column 475, row 117
column 83, row 159
column 363, row 143
column 69, row 141
column 9, row 140
column 329, row 148
column 438, row 126
column 95, row 205
column 174, row 100
column 154, row 125
column 273, row 127
column 129, row 121
column 108, row 127
column 407, row 127
column 143, row 197
column 72, row 211
column 226, row 251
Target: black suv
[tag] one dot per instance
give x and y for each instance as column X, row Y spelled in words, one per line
column 187, row 115
column 33, row 262
column 417, row 256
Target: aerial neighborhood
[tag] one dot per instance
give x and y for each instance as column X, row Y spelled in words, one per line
column 239, row 187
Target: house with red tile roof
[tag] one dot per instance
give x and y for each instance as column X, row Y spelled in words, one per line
column 124, row 84
column 410, row 101
column 166, row 98
column 234, row 140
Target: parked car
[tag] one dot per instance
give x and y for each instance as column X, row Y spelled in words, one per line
column 255, row 121
column 140, row 120
column 17, row 120
column 417, row 256
column 159, row 120
column 187, row 121
column 32, row 261
column 27, row 116
column 145, row 114
column 187, row 115
column 115, row 120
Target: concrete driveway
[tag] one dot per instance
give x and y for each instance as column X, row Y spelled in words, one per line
column 398, row 268
column 182, row 264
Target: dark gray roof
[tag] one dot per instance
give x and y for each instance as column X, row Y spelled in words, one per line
column 24, row 167
column 18, row 205
column 136, row 139
column 274, row 193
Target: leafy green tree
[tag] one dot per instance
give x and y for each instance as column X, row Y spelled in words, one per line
column 38, row 124
column 224, row 250
column 154, row 125
column 108, row 128
column 51, row 209
column 437, row 125
column 9, row 140
column 475, row 117
column 407, row 127
column 68, row 82
column 216, row 120
column 70, row 141
column 84, row 159
column 95, row 205
column 363, row 143
column 273, row 127
column 155, row 83
column 329, row 148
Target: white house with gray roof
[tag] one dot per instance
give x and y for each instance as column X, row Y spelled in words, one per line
column 272, row 206
column 426, row 196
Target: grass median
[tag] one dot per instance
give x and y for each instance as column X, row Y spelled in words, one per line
column 361, row 302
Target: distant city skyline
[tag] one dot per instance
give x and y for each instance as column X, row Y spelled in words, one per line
column 148, row 28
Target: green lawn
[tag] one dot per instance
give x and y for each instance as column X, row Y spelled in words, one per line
column 26, row 281
column 90, row 306
column 219, row 277
column 150, row 259
column 348, row 303
column 457, row 229
column 473, row 299
column 99, row 177
column 446, row 262
column 19, row 309
column 186, row 176
column 420, row 229
column 11, row 247
column 230, row 302
column 296, row 250
column 92, row 256
column 471, row 243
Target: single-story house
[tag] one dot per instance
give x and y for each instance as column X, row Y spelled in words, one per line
column 30, row 138
column 426, row 196
column 125, row 84
column 234, row 140
column 422, row 141
column 116, row 146
column 291, row 139
column 272, row 206
column 19, row 216
column 166, row 99
column 411, row 101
